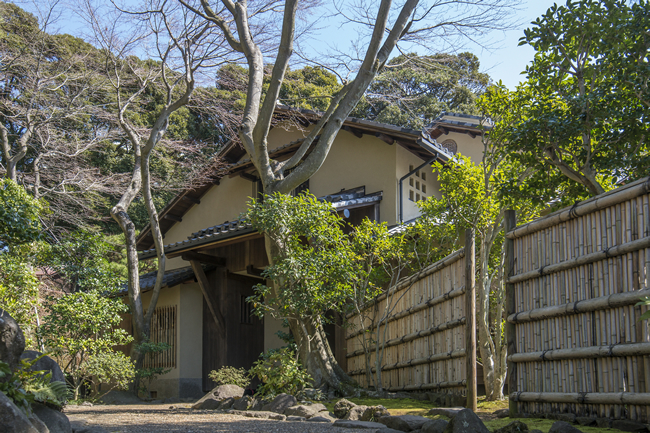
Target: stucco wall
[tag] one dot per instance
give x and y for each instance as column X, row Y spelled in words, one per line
column 271, row 340
column 425, row 183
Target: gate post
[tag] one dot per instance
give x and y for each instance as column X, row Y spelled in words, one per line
column 470, row 318
column 511, row 338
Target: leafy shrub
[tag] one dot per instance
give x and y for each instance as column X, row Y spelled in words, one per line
column 280, row 371
column 146, row 375
column 112, row 368
column 230, row 376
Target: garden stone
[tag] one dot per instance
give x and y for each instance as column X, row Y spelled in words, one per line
column 586, row 421
column 603, row 422
column 319, row 418
column 259, row 414
column 303, row 410
column 388, row 430
column 404, row 423
column 86, row 404
column 356, row 413
column 280, row 403
column 357, row 424
column 449, row 412
column 566, row 417
column 563, row 427
column 212, row 399
column 55, row 421
column 435, row 426
column 374, row 413
column 514, row 427
column 12, row 419
column 342, row 407
column 45, row 363
column 502, row 413
column 227, row 403
column 257, row 404
column 243, row 403
column 12, row 340
column 629, row 425
column 466, row 421
column 38, row 424
column 296, row 418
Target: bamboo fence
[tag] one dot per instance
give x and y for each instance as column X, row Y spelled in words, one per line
column 163, row 330
column 427, row 332
column 575, row 341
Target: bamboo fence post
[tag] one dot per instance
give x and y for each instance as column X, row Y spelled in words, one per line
column 511, row 308
column 470, row 314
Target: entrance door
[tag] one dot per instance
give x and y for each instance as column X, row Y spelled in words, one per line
column 244, row 340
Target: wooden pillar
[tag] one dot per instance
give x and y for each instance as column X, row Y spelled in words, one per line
column 204, row 284
column 470, row 317
column 511, row 337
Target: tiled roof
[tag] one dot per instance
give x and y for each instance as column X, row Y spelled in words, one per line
column 170, row 279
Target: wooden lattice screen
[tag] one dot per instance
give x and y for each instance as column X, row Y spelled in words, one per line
column 575, row 341
column 428, row 334
column 163, row 330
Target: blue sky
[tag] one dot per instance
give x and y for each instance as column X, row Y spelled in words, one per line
column 505, row 61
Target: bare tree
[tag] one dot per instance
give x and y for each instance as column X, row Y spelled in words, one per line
column 180, row 43
column 413, row 21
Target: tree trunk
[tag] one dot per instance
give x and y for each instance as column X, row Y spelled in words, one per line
column 314, row 350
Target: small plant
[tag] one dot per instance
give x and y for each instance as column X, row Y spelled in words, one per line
column 25, row 386
column 230, row 376
column 112, row 368
column 280, row 371
column 145, row 376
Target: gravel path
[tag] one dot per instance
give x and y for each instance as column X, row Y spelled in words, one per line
column 159, row 418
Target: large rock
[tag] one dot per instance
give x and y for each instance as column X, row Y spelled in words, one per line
column 356, row 413
column 466, row 421
column 44, row 364
column 55, row 421
column 321, row 418
column 434, row 426
column 227, row 403
column 342, row 407
column 357, row 424
column 404, row 423
column 373, row 413
column 387, row 430
column 514, row 427
column 629, row 425
column 243, row 403
column 280, row 403
column 12, row 419
column 12, row 340
column 259, row 414
column 563, row 427
column 306, row 411
column 213, row 399
column 502, row 413
column 449, row 412
column 38, row 424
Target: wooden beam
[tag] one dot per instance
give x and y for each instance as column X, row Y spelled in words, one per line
column 385, row 138
column 191, row 199
column 354, row 131
column 251, row 270
column 204, row 284
column 248, row 176
column 171, row 217
column 203, row 258
column 470, row 314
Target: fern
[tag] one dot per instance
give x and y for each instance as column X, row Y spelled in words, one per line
column 44, row 391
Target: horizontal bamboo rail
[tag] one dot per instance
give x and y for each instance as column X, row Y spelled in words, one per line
column 630, row 398
column 439, row 385
column 424, row 305
column 611, row 198
column 458, row 353
column 413, row 336
column 618, row 250
column 624, row 349
column 584, row 306
column 408, row 281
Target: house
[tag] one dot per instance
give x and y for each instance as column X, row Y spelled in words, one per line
column 373, row 170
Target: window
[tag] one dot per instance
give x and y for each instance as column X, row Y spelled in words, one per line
column 246, row 311
column 424, row 175
column 417, row 173
column 410, row 181
column 163, row 330
column 417, row 197
column 411, row 195
column 410, row 168
column 424, row 188
column 417, row 185
column 450, row 146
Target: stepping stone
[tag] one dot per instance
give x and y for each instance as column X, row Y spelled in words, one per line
column 357, row 424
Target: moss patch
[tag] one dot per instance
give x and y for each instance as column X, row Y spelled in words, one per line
column 396, row 406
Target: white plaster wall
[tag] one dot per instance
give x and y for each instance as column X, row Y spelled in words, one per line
column 271, row 326
column 405, row 159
